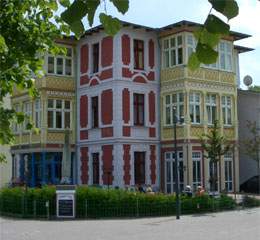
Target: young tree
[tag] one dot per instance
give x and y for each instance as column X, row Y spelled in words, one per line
column 215, row 146
column 251, row 146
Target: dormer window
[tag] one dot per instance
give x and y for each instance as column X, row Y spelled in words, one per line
column 60, row 64
column 173, row 51
column 138, row 54
column 95, row 57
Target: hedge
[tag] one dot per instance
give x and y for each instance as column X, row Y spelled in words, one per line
column 99, row 203
column 250, row 202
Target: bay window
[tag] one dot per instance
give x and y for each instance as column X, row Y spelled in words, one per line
column 191, row 45
column 173, row 51
column 170, row 168
column 37, row 113
column 16, row 127
column 59, row 114
column 194, row 104
column 196, row 169
column 228, row 171
column 176, row 101
column 60, row 64
column 211, row 106
column 225, row 55
column 27, row 109
column 226, row 110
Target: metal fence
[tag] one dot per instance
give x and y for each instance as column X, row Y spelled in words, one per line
column 87, row 209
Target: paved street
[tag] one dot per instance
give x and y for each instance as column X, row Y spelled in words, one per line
column 237, row 225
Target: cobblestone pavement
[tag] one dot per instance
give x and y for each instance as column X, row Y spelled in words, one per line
column 237, row 225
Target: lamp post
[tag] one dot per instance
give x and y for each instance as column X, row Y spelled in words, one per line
column 177, row 184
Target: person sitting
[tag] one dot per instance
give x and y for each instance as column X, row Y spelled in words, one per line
column 149, row 190
column 200, row 191
column 187, row 191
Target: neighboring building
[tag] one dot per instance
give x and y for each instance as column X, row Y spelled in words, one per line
column 37, row 157
column 248, row 110
column 200, row 98
column 118, row 101
column 127, row 86
column 6, row 168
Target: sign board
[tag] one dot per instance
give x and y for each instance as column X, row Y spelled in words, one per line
column 65, row 203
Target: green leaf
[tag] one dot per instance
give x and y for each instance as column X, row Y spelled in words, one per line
column 64, row 3
column 205, row 37
column 78, row 28
column 76, row 11
column 193, row 62
column 53, row 5
column 3, row 46
column 92, row 6
column 121, row 5
column 206, row 54
column 3, row 158
column 228, row 8
column 20, row 117
column 29, row 126
column 111, row 25
column 215, row 25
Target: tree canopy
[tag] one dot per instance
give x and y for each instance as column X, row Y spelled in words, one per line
column 29, row 28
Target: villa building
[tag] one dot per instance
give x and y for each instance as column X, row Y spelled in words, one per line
column 118, row 103
column 123, row 90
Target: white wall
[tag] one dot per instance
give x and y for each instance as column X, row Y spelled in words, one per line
column 5, row 168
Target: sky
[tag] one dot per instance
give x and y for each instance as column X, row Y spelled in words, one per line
column 158, row 13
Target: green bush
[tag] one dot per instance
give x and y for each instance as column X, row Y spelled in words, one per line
column 250, row 202
column 94, row 202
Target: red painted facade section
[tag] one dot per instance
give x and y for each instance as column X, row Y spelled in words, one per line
column 53, row 145
column 126, row 105
column 152, row 132
column 84, row 80
column 151, row 53
column 125, row 49
column 84, row 58
column 107, row 51
column 126, row 131
column 151, row 76
column 107, row 164
column 106, row 74
column 93, row 82
column 107, row 132
column 83, row 134
column 107, row 106
column 127, row 166
column 83, row 111
column 139, row 79
column 153, row 163
column 84, row 165
column 126, row 73
column 152, row 107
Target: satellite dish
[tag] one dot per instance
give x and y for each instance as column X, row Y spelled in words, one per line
column 248, row 80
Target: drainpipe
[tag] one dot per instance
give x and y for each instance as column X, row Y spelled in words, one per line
column 76, row 70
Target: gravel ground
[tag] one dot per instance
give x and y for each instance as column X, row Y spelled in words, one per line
column 237, row 225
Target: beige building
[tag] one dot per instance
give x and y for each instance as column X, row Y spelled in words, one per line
column 200, row 98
